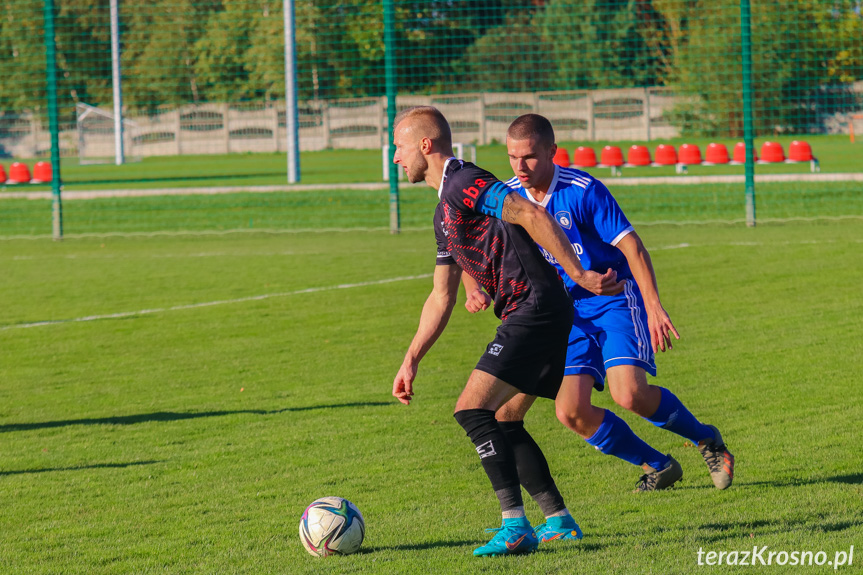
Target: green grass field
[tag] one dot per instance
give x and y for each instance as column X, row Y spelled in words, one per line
column 179, row 437
column 364, row 209
column 337, row 207
column 835, row 153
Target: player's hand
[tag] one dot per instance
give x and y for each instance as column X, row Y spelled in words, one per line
column 661, row 329
column 477, row 300
column 403, row 388
column 601, row 284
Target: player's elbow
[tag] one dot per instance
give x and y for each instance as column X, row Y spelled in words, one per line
column 532, row 217
column 444, row 300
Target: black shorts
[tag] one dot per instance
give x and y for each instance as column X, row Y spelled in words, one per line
column 529, row 352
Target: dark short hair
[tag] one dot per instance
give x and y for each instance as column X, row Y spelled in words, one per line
column 430, row 122
column 531, row 126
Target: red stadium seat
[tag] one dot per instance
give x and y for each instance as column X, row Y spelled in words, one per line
column 584, row 157
column 41, row 173
column 772, row 152
column 2, row 174
column 18, row 174
column 690, row 154
column 740, row 153
column 666, row 155
column 561, row 158
column 638, row 156
column 611, row 156
column 800, row 152
column 716, row 154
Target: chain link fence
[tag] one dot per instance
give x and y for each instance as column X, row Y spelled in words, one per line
column 203, row 84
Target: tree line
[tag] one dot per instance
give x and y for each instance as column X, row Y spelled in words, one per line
column 175, row 52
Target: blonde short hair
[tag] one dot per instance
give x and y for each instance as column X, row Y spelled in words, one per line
column 428, row 122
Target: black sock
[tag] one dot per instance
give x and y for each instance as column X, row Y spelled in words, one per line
column 533, row 471
column 495, row 454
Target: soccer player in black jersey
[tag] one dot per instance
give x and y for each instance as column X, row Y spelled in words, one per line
column 483, row 229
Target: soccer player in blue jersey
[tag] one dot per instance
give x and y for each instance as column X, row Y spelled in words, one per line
column 488, row 231
column 612, row 336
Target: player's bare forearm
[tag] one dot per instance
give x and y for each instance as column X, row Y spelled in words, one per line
column 659, row 323
column 641, row 266
column 436, row 312
column 435, row 315
column 545, row 231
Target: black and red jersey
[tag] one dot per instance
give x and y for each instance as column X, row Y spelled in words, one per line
column 500, row 256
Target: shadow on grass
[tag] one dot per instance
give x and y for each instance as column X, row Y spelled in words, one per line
column 759, row 527
column 77, row 468
column 587, row 547
column 416, row 546
column 850, row 479
column 174, row 416
column 853, row 479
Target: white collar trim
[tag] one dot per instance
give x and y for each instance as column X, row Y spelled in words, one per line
column 551, row 187
column 443, row 177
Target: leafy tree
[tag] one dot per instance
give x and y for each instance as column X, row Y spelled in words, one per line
column 795, row 53
column 22, row 57
column 221, row 63
column 595, row 44
column 159, row 52
column 508, row 58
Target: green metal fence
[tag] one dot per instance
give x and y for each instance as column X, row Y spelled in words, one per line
column 205, row 126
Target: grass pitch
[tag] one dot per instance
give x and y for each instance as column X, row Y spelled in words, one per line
column 177, row 437
column 835, row 154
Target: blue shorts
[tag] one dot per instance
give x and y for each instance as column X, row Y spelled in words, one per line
column 609, row 331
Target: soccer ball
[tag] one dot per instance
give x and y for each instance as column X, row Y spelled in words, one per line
column 332, row 526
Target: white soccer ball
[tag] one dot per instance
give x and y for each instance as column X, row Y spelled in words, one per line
column 332, row 526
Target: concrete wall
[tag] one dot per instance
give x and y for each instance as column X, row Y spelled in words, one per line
column 480, row 118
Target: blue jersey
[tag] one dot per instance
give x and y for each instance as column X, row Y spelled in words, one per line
column 591, row 219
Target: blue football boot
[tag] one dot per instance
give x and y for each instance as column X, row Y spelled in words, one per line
column 513, row 536
column 563, row 528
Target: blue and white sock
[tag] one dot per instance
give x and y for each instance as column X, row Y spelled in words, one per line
column 673, row 416
column 615, row 437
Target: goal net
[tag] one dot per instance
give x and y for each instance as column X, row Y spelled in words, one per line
column 95, row 130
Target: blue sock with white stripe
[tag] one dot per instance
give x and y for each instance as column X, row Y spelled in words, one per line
column 615, row 437
column 673, row 416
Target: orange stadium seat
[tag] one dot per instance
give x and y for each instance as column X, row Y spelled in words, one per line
column 772, row 152
column 41, row 173
column 638, row 156
column 666, row 155
column 18, row 173
column 690, row 154
column 716, row 154
column 611, row 156
column 2, row 174
column 740, row 153
column 561, row 158
column 800, row 152
column 584, row 157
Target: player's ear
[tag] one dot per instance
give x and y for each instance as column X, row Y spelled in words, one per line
column 425, row 146
column 552, row 150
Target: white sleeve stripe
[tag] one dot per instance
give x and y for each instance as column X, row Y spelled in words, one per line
column 622, row 235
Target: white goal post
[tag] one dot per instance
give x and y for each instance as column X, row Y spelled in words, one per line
column 95, row 130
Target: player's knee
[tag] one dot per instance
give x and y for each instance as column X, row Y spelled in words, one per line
column 637, row 401
column 626, row 399
column 573, row 417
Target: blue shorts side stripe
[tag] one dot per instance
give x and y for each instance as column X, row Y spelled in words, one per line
column 635, row 312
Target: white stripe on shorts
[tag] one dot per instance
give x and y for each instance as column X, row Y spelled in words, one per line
column 635, row 313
